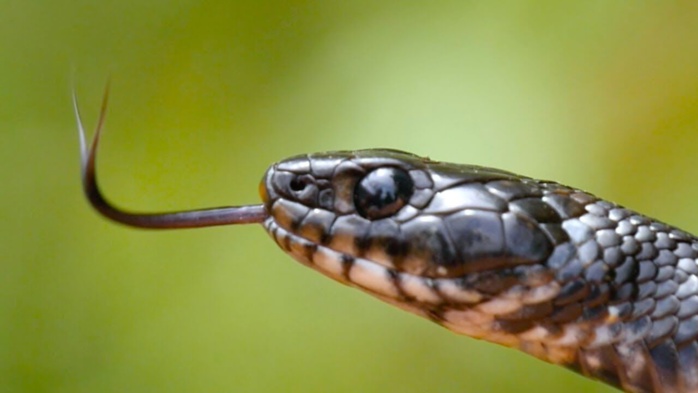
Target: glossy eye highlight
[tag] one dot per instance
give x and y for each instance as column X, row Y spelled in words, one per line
column 382, row 192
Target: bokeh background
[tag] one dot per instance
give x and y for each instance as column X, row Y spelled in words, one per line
column 206, row 94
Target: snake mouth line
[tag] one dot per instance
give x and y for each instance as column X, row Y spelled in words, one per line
column 370, row 276
column 423, row 295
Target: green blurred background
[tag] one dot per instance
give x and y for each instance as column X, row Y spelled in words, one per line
column 206, row 94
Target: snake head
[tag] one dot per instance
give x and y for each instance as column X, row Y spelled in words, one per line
column 416, row 232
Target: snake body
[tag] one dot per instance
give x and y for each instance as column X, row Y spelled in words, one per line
column 548, row 269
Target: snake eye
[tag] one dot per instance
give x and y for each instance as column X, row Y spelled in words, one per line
column 382, row 192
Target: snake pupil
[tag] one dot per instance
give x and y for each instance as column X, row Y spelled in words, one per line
column 382, row 192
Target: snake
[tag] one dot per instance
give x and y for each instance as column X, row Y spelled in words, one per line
column 550, row 270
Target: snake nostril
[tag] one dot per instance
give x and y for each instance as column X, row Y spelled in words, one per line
column 300, row 183
column 302, row 189
column 297, row 185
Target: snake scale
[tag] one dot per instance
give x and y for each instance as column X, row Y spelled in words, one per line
column 534, row 265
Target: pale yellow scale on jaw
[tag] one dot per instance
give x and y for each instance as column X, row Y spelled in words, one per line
column 478, row 325
column 328, row 264
column 453, row 291
column 499, row 306
column 372, row 277
column 417, row 288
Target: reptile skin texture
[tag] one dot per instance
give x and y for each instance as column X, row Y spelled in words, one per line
column 550, row 270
